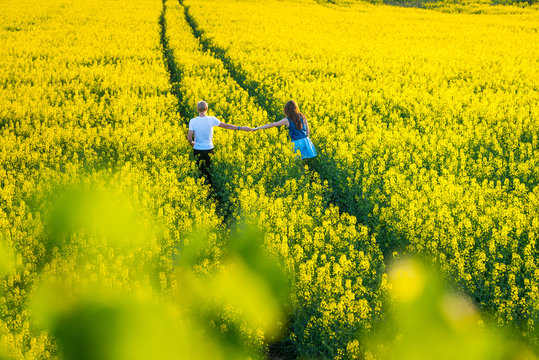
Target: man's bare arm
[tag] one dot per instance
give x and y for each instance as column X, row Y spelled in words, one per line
column 190, row 137
column 234, row 127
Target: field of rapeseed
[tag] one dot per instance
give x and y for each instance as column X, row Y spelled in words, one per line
column 426, row 125
column 90, row 152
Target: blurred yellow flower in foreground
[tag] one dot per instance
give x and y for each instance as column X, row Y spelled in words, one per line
column 407, row 280
column 459, row 311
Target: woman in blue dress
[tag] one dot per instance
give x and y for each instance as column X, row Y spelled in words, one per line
column 298, row 127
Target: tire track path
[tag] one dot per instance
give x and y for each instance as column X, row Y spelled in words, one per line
column 235, row 70
column 273, row 109
column 174, row 71
column 319, row 233
column 185, row 110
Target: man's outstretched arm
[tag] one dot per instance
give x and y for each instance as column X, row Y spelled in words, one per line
column 234, row 127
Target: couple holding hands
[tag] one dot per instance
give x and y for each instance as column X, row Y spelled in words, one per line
column 201, row 128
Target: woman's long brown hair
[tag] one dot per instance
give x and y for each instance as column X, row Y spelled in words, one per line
column 291, row 110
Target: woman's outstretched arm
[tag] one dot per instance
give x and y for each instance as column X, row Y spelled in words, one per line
column 270, row 125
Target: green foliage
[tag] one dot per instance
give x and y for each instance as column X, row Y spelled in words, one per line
column 215, row 315
column 452, row 6
column 431, row 321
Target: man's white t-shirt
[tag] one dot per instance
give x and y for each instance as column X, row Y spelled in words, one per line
column 202, row 126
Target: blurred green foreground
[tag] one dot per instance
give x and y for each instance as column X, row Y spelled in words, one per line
column 101, row 295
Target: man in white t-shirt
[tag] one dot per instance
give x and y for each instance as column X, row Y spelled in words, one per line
column 202, row 129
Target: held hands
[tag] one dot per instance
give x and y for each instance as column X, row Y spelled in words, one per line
column 247, row 128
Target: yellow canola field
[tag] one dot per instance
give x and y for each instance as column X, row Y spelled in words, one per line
column 336, row 268
column 425, row 123
column 111, row 249
column 99, row 193
column 88, row 129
